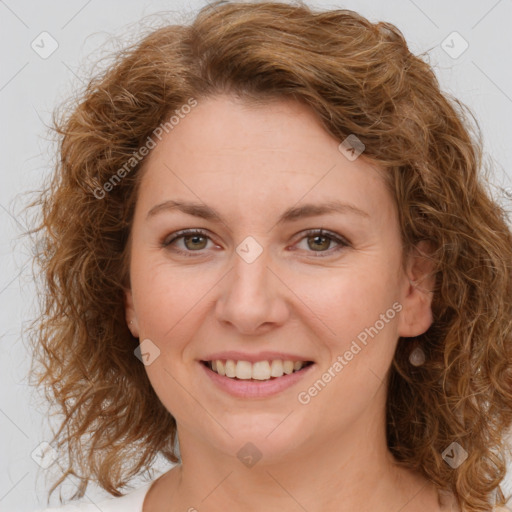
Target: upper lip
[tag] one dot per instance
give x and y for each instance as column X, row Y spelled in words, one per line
column 252, row 358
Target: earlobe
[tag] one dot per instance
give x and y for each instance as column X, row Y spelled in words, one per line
column 131, row 318
column 416, row 316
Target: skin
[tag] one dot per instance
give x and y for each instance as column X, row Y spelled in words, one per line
column 250, row 163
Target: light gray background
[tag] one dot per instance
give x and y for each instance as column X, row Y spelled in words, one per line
column 31, row 86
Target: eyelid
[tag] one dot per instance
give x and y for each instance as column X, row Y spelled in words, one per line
column 325, row 232
column 184, row 232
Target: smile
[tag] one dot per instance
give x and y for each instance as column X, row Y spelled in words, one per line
column 256, row 380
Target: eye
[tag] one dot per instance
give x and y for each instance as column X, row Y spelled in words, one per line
column 195, row 240
column 321, row 239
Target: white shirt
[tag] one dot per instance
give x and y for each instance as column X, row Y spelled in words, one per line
column 130, row 502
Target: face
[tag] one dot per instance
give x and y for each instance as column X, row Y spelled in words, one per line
column 258, row 282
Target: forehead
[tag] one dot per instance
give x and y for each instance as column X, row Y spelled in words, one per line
column 228, row 151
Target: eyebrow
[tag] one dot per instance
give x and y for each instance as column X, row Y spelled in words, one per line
column 291, row 214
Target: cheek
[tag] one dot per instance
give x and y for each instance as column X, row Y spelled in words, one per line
column 165, row 300
column 359, row 315
column 346, row 301
column 163, row 293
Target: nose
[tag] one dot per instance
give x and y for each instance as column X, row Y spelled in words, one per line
column 253, row 299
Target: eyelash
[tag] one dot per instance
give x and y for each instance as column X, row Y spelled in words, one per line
column 343, row 243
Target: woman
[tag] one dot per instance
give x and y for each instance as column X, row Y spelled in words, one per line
column 268, row 241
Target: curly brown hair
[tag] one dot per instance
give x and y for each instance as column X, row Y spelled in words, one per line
column 359, row 78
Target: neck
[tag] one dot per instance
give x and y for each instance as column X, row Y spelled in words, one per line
column 351, row 471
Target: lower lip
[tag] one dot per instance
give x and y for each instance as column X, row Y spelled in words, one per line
column 255, row 389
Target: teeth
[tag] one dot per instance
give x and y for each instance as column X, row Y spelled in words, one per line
column 260, row 370
column 288, row 367
column 230, row 368
column 243, row 370
column 276, row 368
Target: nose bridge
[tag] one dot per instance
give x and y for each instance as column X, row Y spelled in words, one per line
column 250, row 296
column 250, row 277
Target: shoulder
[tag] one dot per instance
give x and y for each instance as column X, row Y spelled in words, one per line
column 130, row 502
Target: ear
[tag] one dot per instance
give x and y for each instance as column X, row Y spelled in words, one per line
column 131, row 318
column 417, row 293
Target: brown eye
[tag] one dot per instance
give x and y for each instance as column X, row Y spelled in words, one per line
column 193, row 241
column 319, row 241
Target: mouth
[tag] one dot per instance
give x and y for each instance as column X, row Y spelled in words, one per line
column 258, row 371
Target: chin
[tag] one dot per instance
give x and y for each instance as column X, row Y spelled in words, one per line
column 263, row 435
